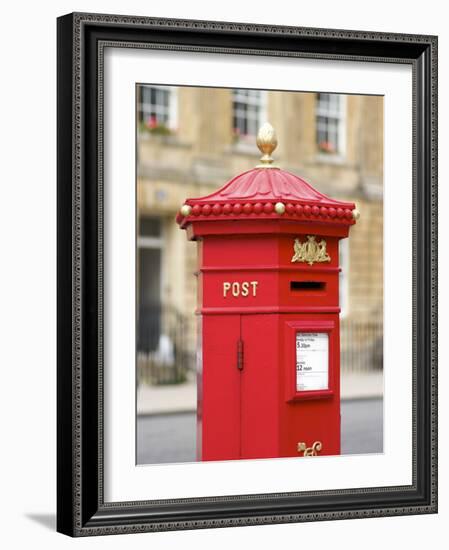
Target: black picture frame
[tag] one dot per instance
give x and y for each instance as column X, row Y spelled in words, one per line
column 81, row 509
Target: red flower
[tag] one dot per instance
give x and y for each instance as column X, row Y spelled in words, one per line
column 326, row 146
column 152, row 121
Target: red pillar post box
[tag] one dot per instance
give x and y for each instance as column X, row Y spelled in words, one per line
column 268, row 300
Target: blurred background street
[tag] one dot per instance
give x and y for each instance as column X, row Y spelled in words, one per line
column 190, row 142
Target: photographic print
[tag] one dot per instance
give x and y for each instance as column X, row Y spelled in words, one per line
column 246, row 274
column 260, row 326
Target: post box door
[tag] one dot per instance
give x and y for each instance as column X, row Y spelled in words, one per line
column 219, row 392
column 238, row 397
column 260, row 387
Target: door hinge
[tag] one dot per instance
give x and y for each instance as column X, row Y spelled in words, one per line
column 240, row 354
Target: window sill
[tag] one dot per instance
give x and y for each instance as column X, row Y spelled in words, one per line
column 330, row 158
column 244, row 148
column 171, row 139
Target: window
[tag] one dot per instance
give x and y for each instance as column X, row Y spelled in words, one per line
column 158, row 107
column 249, row 111
column 330, row 123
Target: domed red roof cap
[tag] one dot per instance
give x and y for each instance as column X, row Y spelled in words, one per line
column 267, row 191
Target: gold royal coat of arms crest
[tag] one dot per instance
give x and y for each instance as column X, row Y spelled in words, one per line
column 310, row 251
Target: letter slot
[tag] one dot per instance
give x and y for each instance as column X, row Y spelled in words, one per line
column 307, row 286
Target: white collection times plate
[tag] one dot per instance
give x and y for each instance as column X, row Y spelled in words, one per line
column 312, row 361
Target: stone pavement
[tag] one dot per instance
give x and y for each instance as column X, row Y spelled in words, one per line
column 361, row 385
column 166, row 399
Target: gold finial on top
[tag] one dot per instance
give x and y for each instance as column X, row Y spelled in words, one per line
column 267, row 143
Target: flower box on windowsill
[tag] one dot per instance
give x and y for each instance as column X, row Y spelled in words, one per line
column 151, row 128
column 243, row 143
column 328, row 153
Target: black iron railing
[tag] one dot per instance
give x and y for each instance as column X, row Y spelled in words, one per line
column 165, row 351
column 361, row 345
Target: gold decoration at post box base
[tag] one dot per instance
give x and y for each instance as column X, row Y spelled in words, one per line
column 309, row 451
column 310, row 251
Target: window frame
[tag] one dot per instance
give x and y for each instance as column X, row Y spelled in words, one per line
column 340, row 117
column 172, row 110
column 261, row 116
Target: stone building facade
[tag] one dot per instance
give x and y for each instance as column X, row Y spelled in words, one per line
column 190, row 141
